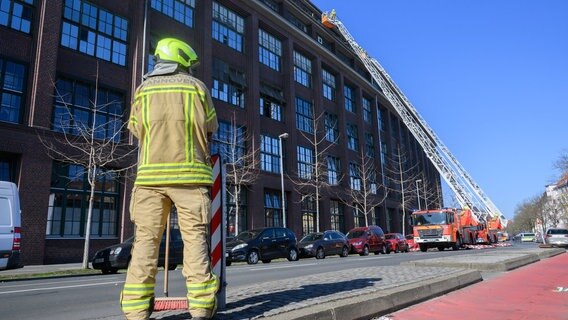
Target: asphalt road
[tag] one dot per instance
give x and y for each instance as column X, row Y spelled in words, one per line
column 96, row 296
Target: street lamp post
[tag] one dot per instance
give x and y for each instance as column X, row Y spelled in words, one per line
column 280, row 137
column 418, row 193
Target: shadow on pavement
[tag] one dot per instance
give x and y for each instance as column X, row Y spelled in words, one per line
column 257, row 305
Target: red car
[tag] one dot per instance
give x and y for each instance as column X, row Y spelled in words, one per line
column 367, row 239
column 396, row 242
column 411, row 244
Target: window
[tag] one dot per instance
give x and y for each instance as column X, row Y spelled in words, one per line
column 74, row 110
column 17, row 14
column 228, row 84
column 180, row 10
column 333, row 170
column 272, row 208
column 372, row 181
column 394, row 126
column 308, row 208
column 296, row 22
column 336, row 214
column 358, row 216
column 369, row 145
column 12, row 97
column 384, row 154
column 328, row 81
column 349, row 98
column 230, row 142
column 269, row 50
column 302, row 70
column 366, row 110
column 69, row 201
column 228, row 27
column 94, row 31
column 304, row 115
column 232, row 212
column 354, row 177
column 8, row 165
column 269, row 154
column 352, row 137
column 305, row 159
column 331, row 127
column 272, row 5
column 381, row 118
column 271, row 102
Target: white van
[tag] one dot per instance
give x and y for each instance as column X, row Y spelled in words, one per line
column 10, row 226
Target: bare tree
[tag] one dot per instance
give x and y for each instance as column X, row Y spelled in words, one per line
column 96, row 146
column 364, row 194
column 241, row 157
column 311, row 179
column 404, row 180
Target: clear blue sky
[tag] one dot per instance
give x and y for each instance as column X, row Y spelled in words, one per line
column 489, row 76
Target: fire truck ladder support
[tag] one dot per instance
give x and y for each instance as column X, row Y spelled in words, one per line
column 467, row 192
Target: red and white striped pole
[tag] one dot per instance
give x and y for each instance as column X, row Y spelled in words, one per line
column 217, row 228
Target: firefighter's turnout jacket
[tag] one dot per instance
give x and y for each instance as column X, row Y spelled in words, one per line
column 171, row 116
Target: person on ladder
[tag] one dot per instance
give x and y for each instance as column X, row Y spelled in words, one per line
column 173, row 118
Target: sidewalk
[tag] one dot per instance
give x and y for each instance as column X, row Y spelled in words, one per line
column 365, row 293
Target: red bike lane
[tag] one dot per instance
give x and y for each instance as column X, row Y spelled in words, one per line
column 537, row 291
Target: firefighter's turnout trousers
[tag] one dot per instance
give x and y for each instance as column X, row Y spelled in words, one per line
column 150, row 207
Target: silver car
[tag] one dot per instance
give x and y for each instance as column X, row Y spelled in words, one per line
column 557, row 237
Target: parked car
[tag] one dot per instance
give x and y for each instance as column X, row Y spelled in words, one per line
column 396, row 243
column 502, row 236
column 367, row 239
column 556, row 237
column 320, row 244
column 113, row 258
column 410, row 241
column 525, row 237
column 262, row 244
column 10, row 226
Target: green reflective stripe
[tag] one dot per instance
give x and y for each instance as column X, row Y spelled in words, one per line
column 211, row 116
column 156, row 180
column 170, row 89
column 188, row 121
column 133, row 120
column 136, row 304
column 202, row 286
column 168, row 167
column 138, row 288
column 201, row 303
column 146, row 123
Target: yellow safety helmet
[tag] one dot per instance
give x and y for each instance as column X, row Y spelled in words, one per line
column 175, row 50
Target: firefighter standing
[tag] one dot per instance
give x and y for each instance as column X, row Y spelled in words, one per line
column 173, row 118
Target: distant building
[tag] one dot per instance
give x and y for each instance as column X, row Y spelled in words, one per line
column 270, row 64
column 556, row 207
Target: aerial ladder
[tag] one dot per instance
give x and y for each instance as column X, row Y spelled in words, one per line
column 467, row 192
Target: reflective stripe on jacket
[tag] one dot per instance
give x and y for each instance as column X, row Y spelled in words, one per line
column 172, row 116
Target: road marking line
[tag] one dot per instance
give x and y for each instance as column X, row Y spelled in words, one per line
column 62, row 287
column 5, row 285
column 282, row 267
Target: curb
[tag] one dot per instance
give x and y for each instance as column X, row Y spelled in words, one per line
column 385, row 301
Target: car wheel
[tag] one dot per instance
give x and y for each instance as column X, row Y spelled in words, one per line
column 407, row 248
column 384, row 249
column 266, row 260
column 252, row 257
column 293, row 255
column 320, row 254
column 228, row 263
column 365, row 251
column 344, row 252
column 396, row 249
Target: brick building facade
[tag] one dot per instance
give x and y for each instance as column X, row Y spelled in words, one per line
column 270, row 65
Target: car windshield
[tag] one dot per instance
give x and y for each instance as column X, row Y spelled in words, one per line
column 389, row 236
column 312, row 237
column 246, row 235
column 355, row 234
column 528, row 235
column 435, row 218
column 558, row 231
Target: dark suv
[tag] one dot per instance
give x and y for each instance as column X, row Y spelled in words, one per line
column 367, row 239
column 262, row 244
